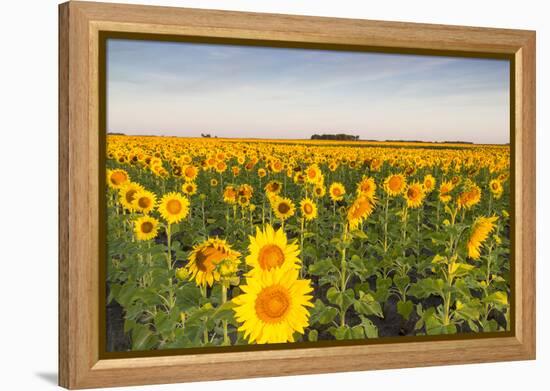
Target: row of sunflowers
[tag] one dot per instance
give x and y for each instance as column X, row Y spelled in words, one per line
column 231, row 242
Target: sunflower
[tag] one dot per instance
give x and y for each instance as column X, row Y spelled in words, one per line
column 414, row 195
column 444, row 191
column 470, row 197
column 116, row 179
column 189, row 188
column 270, row 249
column 235, row 170
column 481, row 229
column 360, row 210
column 230, row 195
column 144, row 201
column 173, row 207
column 243, row 201
column 213, row 182
column 395, row 184
column 283, row 207
column 308, row 209
column 366, row 187
column 190, row 173
column 273, row 187
column 220, row 167
column 429, row 183
column 210, row 260
column 313, row 174
column 337, row 191
column 261, row 172
column 245, row 190
column 273, row 307
column 146, row 227
column 276, row 166
column 319, row 190
column 127, row 194
column 496, row 188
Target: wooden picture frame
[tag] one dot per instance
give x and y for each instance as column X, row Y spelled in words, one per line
column 80, row 24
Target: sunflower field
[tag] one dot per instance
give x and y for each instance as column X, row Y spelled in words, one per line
column 219, row 242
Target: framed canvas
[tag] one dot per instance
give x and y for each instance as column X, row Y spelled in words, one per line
column 247, row 195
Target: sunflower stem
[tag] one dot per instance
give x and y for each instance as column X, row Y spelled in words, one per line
column 302, row 246
column 343, row 275
column 203, row 219
column 226, row 340
column 386, row 224
column 171, row 300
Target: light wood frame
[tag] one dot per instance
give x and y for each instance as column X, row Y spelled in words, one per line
column 79, row 26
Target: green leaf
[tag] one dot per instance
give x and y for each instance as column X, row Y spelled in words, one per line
column 401, row 282
column 371, row 330
column 188, row 296
column 126, row 294
column 322, row 314
column 357, row 332
column 342, row 333
column 342, row 299
column 469, row 310
column 320, row 268
column 404, row 308
column 312, row 335
column 367, row 305
column 497, row 298
column 359, row 234
column 142, row 338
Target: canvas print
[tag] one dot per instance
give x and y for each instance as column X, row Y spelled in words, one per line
column 270, row 195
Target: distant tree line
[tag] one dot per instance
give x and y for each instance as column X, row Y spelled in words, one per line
column 340, row 137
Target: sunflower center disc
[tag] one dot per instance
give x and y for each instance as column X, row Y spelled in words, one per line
column 284, row 207
column 173, row 207
column 130, row 195
column 271, row 256
column 147, row 227
column 272, row 304
column 395, row 183
column 118, row 177
column 144, row 202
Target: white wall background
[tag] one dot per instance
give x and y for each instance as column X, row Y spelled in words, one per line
column 28, row 196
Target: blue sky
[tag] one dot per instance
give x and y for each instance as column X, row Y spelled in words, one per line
column 185, row 89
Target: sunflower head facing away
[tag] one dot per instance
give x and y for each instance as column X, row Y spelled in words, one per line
column 144, row 201
column 273, row 187
column 337, row 191
column 414, row 195
column 395, row 184
column 308, row 209
column 270, row 249
column 445, row 191
column 173, row 207
column 496, row 188
column 273, row 307
column 360, row 210
column 469, row 197
column 146, row 227
column 211, row 260
column 283, row 207
column 480, row 231
column 230, row 195
column 116, row 179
